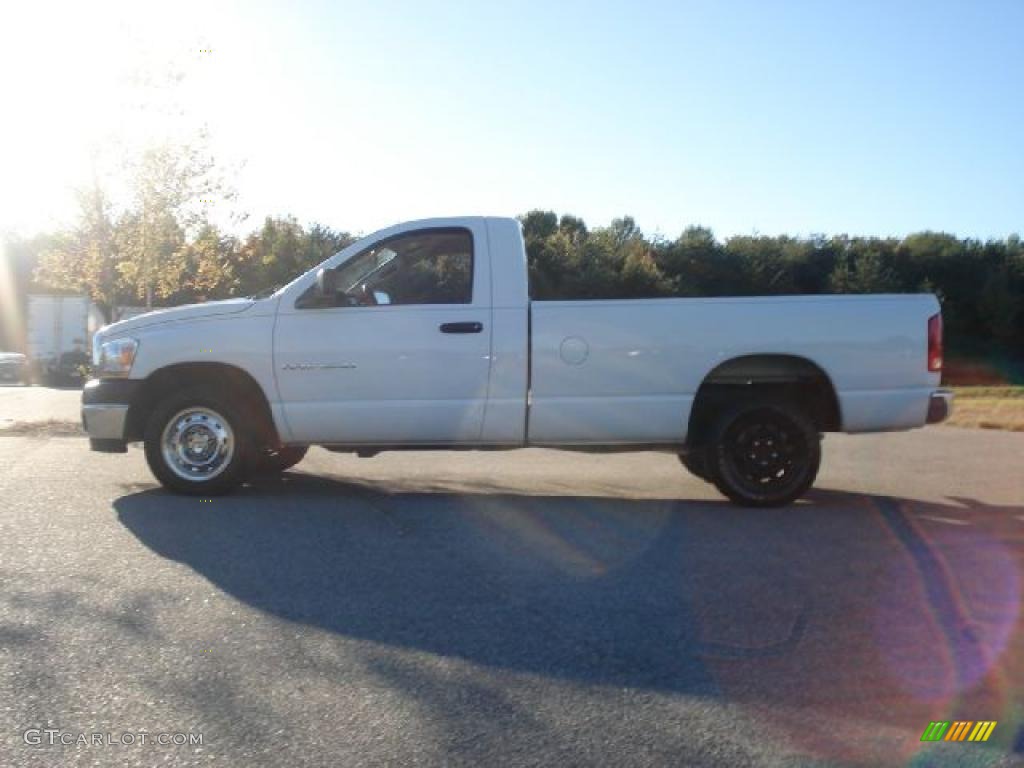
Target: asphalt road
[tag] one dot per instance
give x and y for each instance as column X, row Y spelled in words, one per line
column 528, row 608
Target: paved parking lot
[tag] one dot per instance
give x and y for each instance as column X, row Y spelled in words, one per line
column 20, row 404
column 527, row 608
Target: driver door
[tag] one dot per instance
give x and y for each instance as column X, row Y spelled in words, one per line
column 398, row 352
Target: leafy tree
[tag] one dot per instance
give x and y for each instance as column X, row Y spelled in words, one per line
column 86, row 257
column 145, row 251
column 573, row 228
column 282, row 250
column 538, row 225
column 695, row 262
column 1000, row 305
column 641, row 275
column 863, row 269
column 170, row 183
column 208, row 266
column 150, row 264
column 624, row 231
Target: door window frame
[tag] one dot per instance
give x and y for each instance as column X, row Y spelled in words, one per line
column 377, row 244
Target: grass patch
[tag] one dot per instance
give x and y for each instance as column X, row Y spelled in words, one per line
column 988, row 393
column 988, row 408
column 49, row 428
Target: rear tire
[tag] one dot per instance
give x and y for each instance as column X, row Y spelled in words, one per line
column 763, row 454
column 197, row 443
column 696, row 462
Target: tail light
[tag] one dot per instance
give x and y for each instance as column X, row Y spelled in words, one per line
column 935, row 343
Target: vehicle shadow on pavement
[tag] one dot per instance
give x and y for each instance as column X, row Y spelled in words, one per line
column 856, row 606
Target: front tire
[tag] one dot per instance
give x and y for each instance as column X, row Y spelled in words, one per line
column 197, row 444
column 763, row 454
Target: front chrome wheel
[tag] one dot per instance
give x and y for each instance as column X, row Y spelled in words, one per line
column 197, row 444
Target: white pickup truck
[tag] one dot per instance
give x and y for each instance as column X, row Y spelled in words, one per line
column 423, row 336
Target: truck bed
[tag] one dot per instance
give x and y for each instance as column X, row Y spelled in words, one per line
column 627, row 371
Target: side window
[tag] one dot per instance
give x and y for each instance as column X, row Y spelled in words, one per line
column 433, row 266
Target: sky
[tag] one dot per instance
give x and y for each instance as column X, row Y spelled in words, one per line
column 772, row 117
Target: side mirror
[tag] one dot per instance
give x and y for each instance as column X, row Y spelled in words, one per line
column 326, row 284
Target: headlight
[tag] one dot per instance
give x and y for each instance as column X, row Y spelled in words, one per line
column 115, row 357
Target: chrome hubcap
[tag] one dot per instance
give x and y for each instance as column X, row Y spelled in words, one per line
column 198, row 444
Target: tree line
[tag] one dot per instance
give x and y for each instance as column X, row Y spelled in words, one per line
column 980, row 283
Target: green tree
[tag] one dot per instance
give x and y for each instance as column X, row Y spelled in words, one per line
column 693, row 261
column 170, row 185
column 538, row 225
column 281, row 250
column 86, row 257
column 863, row 269
column 208, row 266
column 144, row 251
column 1000, row 304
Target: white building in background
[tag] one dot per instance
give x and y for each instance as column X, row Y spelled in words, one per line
column 59, row 327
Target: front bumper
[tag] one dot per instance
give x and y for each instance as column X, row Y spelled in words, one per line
column 940, row 406
column 105, row 404
column 105, row 422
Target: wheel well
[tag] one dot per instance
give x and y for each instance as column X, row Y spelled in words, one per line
column 245, row 392
column 785, row 376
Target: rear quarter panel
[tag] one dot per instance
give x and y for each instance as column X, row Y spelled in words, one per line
column 628, row 371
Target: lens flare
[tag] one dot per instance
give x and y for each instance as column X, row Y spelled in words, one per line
column 12, row 330
column 949, row 614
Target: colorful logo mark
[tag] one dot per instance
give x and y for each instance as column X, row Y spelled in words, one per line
column 958, row 730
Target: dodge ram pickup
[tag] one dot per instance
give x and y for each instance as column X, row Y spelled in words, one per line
column 423, row 336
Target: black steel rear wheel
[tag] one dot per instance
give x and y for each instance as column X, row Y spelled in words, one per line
column 695, row 460
column 764, row 454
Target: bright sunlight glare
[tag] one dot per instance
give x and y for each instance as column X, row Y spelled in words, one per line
column 88, row 83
